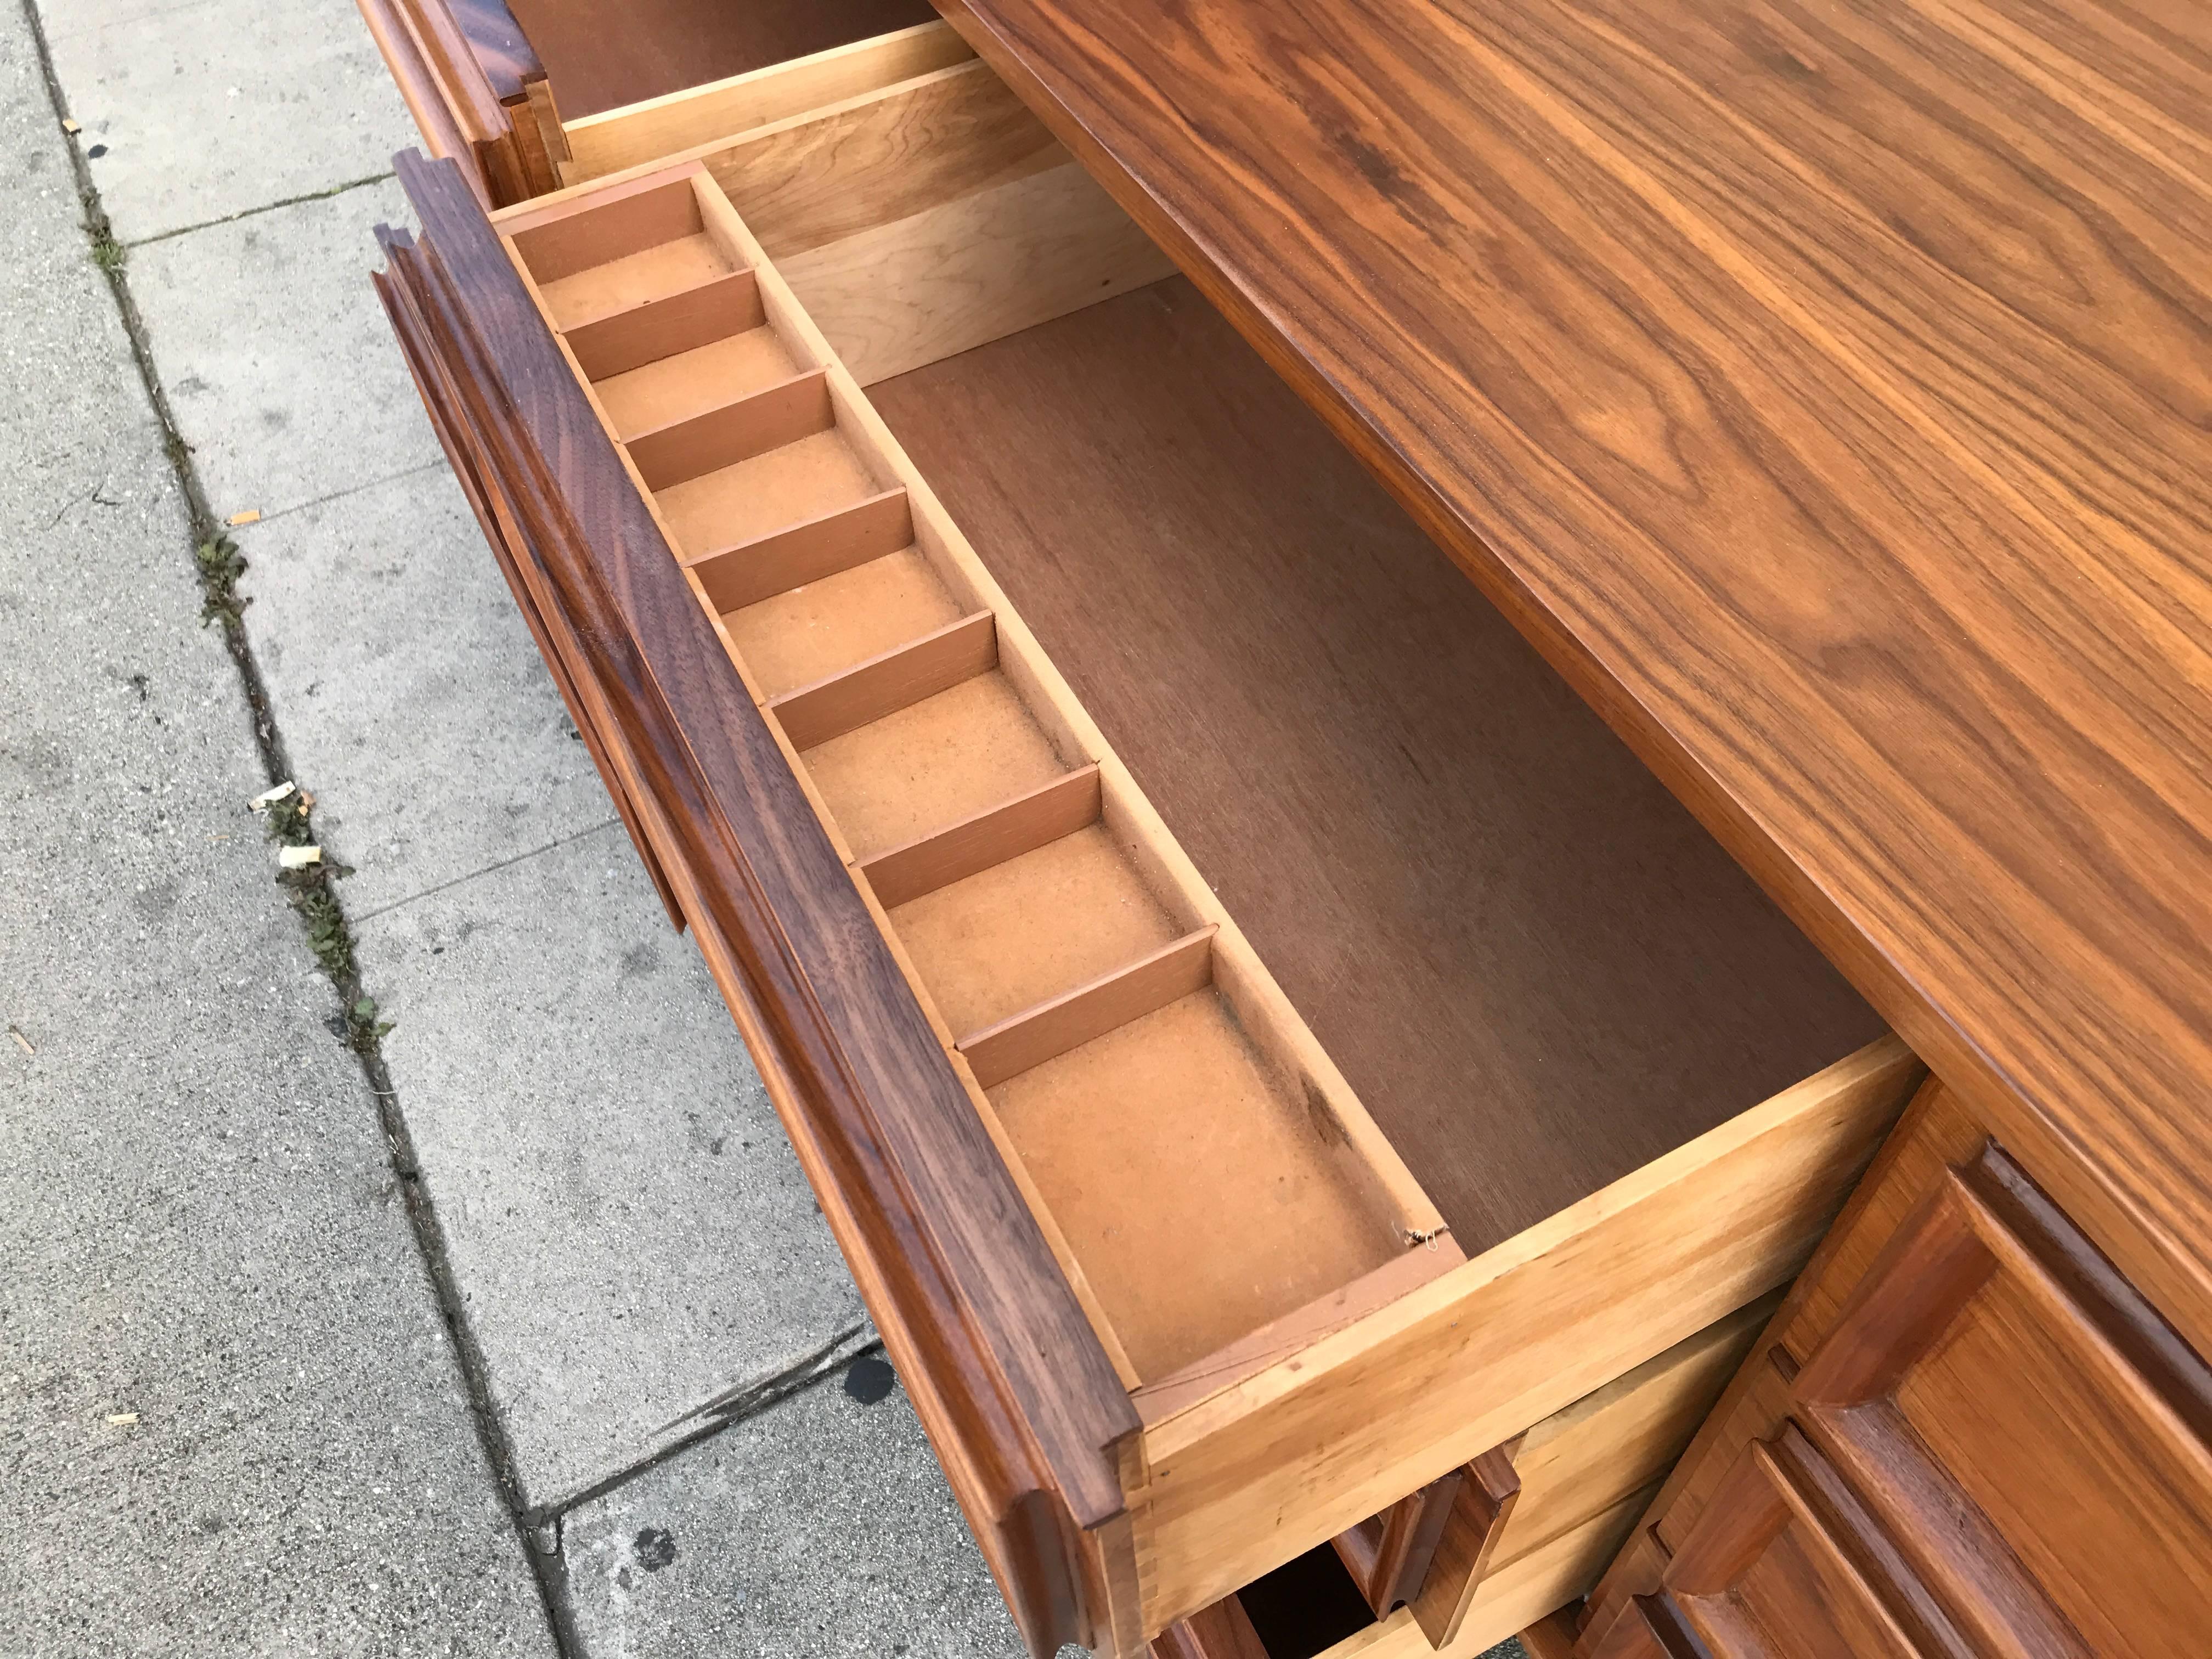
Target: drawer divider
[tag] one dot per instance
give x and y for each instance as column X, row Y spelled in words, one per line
column 768, row 419
column 885, row 683
column 1035, row 818
column 744, row 573
column 558, row 242
column 1051, row 1028
column 679, row 322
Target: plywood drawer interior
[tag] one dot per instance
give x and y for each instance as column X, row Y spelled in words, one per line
column 1357, row 1015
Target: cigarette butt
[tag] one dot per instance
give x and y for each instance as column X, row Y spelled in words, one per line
column 122, row 1419
column 293, row 858
column 252, row 515
column 268, row 798
column 68, row 125
column 21, row 1042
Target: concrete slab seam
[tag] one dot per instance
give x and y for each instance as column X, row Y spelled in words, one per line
column 524, row 856
column 262, row 208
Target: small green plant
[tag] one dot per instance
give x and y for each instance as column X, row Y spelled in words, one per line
column 106, row 252
column 325, row 923
column 221, row 565
column 363, row 1029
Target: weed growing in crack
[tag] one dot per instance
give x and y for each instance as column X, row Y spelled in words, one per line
column 221, row 565
column 106, row 252
column 319, row 912
column 287, row 821
column 364, row 1030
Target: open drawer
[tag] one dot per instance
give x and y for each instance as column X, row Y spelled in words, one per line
column 1260, row 1041
column 528, row 95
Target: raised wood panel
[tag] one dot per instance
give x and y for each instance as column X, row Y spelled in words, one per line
column 2021, row 1446
column 2033, row 1434
column 1782, row 1565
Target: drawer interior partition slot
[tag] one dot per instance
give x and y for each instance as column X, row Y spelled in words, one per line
column 887, row 683
column 1204, row 1202
column 1048, row 1030
column 621, row 225
column 932, row 764
column 1131, row 1069
column 816, row 475
column 721, row 314
column 748, row 573
column 992, row 837
column 776, row 417
column 601, row 293
column 1026, row 929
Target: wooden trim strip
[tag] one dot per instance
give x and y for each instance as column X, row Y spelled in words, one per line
column 884, row 685
column 1014, row 827
column 1273, row 1343
column 657, row 128
column 745, row 573
column 564, row 244
column 1224, row 1631
column 675, row 323
column 1073, row 1019
column 1469, row 1546
column 768, row 419
column 1032, row 1419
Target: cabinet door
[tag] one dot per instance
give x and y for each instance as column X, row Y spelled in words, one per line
column 1993, row 1446
column 1786, row 1563
column 2034, row 1435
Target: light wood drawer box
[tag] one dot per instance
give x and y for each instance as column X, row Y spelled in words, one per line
column 1259, row 1040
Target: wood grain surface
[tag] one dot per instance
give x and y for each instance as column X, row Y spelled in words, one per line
column 1535, row 968
column 1827, row 390
column 1036, row 1406
column 600, row 57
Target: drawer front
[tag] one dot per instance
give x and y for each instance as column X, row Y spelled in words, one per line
column 2019, row 1442
column 476, row 92
column 1022, row 1402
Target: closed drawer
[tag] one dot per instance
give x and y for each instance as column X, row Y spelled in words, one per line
column 1486, row 1552
column 1232, row 1133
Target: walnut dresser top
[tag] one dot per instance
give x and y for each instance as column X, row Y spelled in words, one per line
column 1826, row 388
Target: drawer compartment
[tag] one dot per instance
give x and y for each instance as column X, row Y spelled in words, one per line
column 1346, row 1041
column 528, row 95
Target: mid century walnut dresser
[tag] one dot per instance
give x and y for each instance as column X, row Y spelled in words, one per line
column 1318, row 1109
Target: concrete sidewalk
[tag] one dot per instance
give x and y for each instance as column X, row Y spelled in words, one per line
column 242, row 1419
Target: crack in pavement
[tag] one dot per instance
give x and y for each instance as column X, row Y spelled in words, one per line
column 246, row 213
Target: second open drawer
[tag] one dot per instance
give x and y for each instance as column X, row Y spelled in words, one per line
column 1302, row 1049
